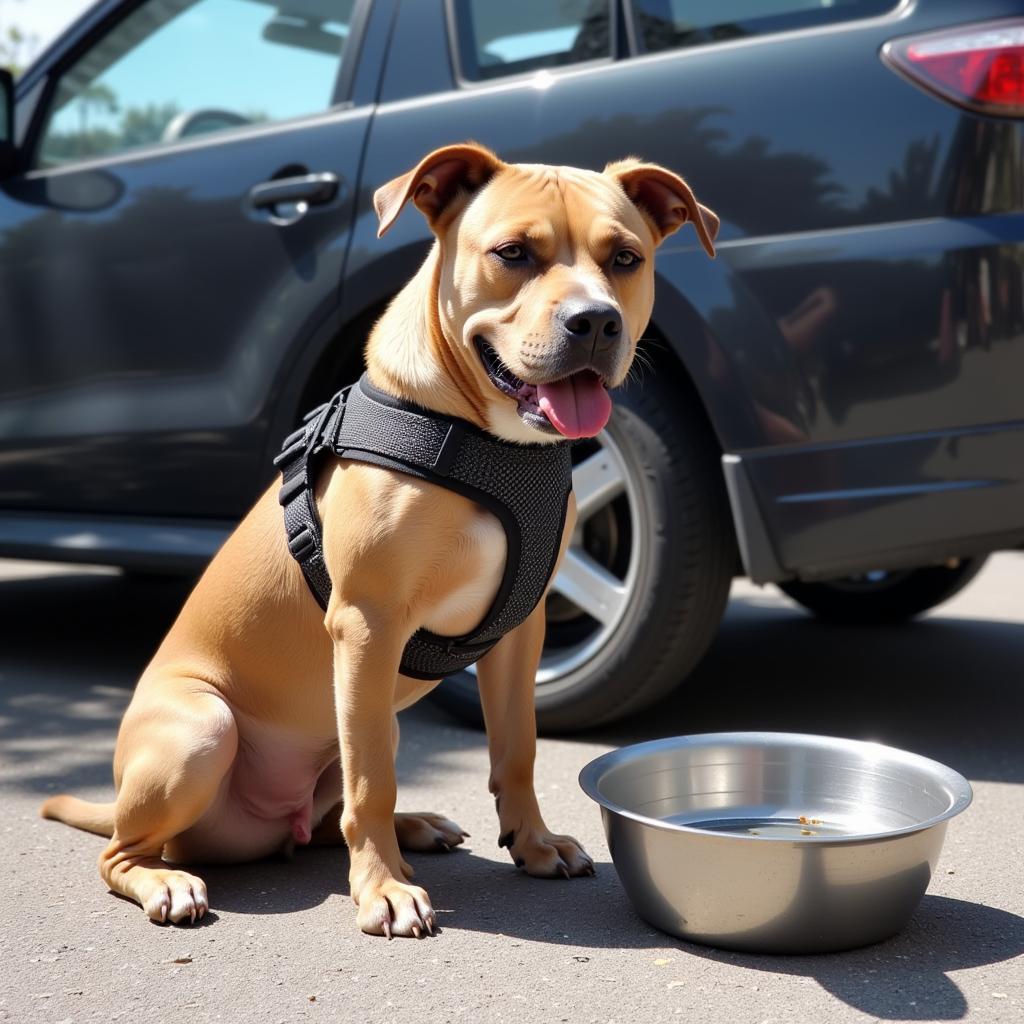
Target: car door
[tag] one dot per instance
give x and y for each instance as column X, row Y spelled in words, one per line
column 178, row 227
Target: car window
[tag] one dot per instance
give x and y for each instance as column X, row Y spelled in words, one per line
column 174, row 69
column 666, row 24
column 498, row 38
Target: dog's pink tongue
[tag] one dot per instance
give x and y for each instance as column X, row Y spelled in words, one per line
column 577, row 406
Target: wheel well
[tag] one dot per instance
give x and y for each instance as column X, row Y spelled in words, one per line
column 656, row 355
column 342, row 360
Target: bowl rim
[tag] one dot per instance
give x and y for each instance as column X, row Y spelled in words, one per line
column 590, row 776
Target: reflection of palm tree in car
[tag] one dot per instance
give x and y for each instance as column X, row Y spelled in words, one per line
column 95, row 96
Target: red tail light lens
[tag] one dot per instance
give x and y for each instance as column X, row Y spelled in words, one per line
column 980, row 67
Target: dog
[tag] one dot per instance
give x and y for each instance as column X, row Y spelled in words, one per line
column 263, row 721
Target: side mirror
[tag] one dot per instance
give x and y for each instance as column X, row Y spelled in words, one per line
column 7, row 146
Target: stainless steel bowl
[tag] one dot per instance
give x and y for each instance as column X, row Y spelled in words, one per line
column 774, row 842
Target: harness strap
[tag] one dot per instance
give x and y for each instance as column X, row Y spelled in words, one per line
column 517, row 483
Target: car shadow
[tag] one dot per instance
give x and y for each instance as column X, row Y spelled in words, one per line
column 72, row 648
column 947, row 688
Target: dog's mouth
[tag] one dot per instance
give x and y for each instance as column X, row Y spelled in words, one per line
column 574, row 406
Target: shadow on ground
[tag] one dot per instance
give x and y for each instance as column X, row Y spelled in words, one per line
column 905, row 978
column 949, row 688
column 72, row 648
column 468, row 893
column 952, row 689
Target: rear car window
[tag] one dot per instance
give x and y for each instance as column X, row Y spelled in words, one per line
column 669, row 24
column 507, row 38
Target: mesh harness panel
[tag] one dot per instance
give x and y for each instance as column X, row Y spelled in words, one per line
column 525, row 486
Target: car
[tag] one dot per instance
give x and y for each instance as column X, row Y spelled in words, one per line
column 189, row 262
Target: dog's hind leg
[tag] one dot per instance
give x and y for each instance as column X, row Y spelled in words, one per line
column 177, row 742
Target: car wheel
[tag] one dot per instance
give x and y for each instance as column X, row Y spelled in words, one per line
column 879, row 597
column 644, row 583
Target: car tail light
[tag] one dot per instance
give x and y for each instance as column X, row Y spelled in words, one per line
column 980, row 67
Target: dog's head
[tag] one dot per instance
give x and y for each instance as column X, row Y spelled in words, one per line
column 546, row 277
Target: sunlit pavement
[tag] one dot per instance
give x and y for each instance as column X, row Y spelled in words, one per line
column 281, row 942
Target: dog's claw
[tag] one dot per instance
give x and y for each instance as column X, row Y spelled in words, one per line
column 417, row 931
column 563, row 869
column 507, row 839
column 430, row 925
column 442, row 845
column 387, row 930
column 520, row 861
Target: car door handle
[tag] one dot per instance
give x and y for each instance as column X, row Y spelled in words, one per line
column 312, row 189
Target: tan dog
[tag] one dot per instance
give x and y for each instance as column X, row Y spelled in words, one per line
column 230, row 747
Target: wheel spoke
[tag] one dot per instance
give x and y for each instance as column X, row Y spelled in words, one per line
column 597, row 480
column 590, row 586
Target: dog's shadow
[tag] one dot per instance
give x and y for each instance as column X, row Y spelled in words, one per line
column 468, row 893
column 903, row 978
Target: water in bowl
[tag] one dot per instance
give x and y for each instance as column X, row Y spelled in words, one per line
column 771, row 826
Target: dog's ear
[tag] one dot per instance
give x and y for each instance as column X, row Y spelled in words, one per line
column 434, row 182
column 666, row 199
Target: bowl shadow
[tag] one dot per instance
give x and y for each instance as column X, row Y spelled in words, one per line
column 905, row 977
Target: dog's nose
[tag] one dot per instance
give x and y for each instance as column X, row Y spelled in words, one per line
column 599, row 324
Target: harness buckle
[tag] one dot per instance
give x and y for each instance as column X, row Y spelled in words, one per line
column 283, row 458
column 292, row 487
column 302, row 545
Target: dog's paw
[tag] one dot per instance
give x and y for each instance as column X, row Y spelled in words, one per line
column 546, row 855
column 427, row 832
column 394, row 908
column 175, row 896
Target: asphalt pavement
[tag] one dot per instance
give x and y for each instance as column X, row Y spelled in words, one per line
column 281, row 943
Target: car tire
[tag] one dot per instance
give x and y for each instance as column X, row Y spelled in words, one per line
column 651, row 561
column 883, row 597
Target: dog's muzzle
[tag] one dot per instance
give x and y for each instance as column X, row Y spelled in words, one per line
column 574, row 403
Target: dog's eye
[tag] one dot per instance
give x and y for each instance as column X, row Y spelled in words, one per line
column 511, row 253
column 627, row 258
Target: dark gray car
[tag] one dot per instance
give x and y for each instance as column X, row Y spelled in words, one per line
column 188, row 261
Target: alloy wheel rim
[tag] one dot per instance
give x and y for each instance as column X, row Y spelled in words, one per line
column 599, row 586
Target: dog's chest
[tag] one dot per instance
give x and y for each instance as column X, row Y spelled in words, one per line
column 476, row 569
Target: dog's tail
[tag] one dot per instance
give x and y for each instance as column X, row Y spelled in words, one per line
column 96, row 818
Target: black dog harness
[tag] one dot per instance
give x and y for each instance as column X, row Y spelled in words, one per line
column 525, row 486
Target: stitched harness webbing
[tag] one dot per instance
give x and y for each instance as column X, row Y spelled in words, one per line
column 525, row 486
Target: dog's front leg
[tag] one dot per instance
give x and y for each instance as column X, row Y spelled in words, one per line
column 367, row 653
column 506, row 680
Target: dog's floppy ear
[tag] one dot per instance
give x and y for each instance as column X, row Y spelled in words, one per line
column 666, row 199
column 435, row 181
